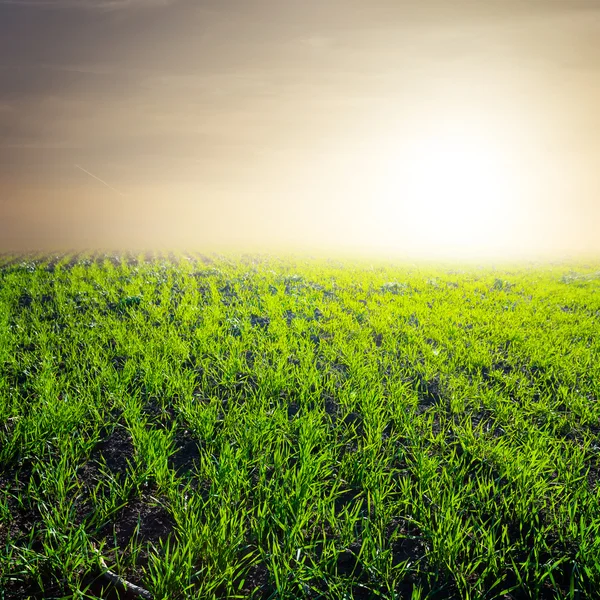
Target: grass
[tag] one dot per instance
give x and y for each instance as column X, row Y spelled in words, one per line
column 251, row 427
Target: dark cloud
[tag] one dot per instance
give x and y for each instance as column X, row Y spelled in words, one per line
column 94, row 5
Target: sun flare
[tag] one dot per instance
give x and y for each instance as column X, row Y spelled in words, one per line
column 450, row 190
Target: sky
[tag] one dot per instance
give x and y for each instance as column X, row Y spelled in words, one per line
column 447, row 128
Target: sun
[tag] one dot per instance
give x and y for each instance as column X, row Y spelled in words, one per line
column 449, row 191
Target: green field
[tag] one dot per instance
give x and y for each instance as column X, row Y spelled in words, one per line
column 250, row 427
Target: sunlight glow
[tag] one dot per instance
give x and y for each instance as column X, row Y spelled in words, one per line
column 450, row 191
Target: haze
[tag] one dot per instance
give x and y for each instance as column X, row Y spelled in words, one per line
column 453, row 129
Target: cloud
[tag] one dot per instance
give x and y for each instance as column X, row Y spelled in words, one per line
column 41, row 145
column 103, row 5
column 87, row 69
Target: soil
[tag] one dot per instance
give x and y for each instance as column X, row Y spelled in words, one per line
column 139, row 520
column 256, row 579
column 116, row 451
column 72, row 261
column 429, row 392
column 146, row 521
column 186, row 455
column 22, row 518
column 258, row 321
